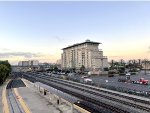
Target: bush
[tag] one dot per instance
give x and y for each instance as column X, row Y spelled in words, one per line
column 106, row 69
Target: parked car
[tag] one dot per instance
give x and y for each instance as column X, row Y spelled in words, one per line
column 111, row 75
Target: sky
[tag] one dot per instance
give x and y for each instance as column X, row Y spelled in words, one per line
column 36, row 30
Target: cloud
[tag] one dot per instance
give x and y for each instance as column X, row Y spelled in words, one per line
column 4, row 49
column 21, row 54
column 148, row 49
column 59, row 39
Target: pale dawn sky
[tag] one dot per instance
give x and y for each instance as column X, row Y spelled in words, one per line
column 39, row 30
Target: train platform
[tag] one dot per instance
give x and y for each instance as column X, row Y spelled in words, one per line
column 50, row 98
column 46, row 105
column 1, row 104
column 33, row 100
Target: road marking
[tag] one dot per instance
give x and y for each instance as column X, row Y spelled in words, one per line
column 4, row 101
column 22, row 102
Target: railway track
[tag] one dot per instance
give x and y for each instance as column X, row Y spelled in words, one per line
column 12, row 101
column 102, row 90
column 92, row 100
column 128, row 101
column 80, row 95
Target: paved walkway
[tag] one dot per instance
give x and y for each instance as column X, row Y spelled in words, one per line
column 40, row 103
column 37, row 102
column 1, row 105
column 1, row 91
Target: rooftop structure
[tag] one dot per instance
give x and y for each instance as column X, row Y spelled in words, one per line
column 77, row 44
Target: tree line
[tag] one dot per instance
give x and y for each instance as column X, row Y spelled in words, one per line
column 5, row 69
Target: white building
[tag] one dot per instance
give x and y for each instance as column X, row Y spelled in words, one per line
column 28, row 63
column 20, row 63
column 25, row 63
column 86, row 53
column 33, row 62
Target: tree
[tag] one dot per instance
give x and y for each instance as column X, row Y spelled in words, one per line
column 4, row 70
column 55, row 68
column 145, row 61
column 6, row 63
column 112, row 64
column 82, row 68
column 106, row 69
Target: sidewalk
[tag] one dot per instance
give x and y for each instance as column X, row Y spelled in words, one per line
column 35, row 102
column 1, row 105
column 1, row 98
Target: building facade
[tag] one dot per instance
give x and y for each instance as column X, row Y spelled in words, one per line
column 86, row 54
column 28, row 63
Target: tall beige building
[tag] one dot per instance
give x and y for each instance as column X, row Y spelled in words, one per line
column 86, row 53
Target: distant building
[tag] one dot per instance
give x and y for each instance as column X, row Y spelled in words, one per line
column 20, row 63
column 33, row 63
column 58, row 61
column 86, row 54
column 28, row 63
column 146, row 65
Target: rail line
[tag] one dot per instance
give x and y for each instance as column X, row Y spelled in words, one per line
column 92, row 91
column 105, row 91
column 80, row 95
column 87, row 98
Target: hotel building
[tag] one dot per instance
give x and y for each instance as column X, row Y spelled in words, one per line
column 86, row 53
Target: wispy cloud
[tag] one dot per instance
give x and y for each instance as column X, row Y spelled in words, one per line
column 4, row 49
column 59, row 39
column 148, row 49
column 21, row 54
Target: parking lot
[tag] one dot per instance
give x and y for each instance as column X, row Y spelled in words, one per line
column 112, row 82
